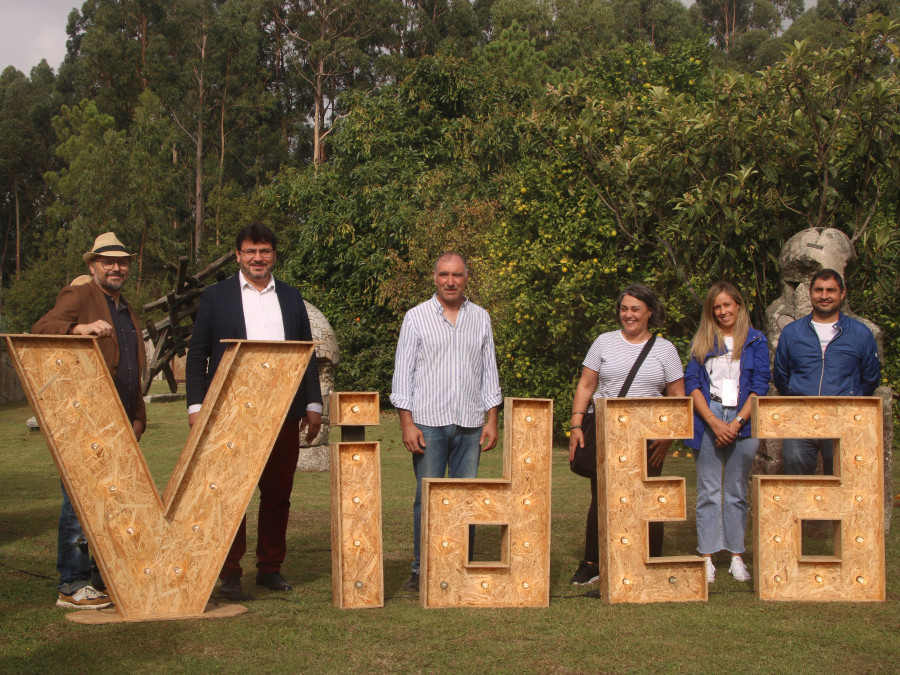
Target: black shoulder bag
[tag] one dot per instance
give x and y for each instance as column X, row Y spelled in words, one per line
column 585, row 462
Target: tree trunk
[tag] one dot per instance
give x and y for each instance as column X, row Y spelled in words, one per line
column 318, row 149
column 198, row 157
column 222, row 147
column 18, row 232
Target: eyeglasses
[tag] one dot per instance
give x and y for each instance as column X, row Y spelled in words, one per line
column 123, row 264
column 263, row 252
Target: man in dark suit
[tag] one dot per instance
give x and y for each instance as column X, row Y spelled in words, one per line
column 253, row 305
column 97, row 308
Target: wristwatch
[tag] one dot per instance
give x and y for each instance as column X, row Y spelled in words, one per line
column 741, row 420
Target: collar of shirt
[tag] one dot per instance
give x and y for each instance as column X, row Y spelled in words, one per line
column 439, row 308
column 247, row 285
column 112, row 303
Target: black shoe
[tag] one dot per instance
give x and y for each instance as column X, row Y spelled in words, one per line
column 273, row 581
column 412, row 584
column 231, row 589
column 587, row 573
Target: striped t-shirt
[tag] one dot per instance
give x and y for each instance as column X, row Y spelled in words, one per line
column 444, row 373
column 612, row 356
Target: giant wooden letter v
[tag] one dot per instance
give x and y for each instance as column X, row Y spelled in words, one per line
column 159, row 556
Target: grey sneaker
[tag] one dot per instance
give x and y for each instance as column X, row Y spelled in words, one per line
column 86, row 597
column 587, row 573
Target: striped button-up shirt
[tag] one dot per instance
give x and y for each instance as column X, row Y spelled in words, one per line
column 444, row 373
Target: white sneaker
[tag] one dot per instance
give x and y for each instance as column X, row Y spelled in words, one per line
column 710, row 571
column 86, row 597
column 739, row 570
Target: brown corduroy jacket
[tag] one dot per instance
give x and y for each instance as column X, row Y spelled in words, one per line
column 86, row 304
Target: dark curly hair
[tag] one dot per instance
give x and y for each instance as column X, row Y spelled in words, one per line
column 646, row 295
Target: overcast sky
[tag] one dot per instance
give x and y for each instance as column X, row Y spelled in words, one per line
column 32, row 30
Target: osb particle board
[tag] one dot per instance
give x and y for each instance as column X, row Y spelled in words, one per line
column 354, row 408
column 357, row 569
column 853, row 499
column 519, row 503
column 159, row 557
column 628, row 499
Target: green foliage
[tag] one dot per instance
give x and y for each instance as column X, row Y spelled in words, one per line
column 26, row 140
column 567, row 148
column 715, row 178
column 515, row 51
column 556, row 262
column 113, row 181
column 411, row 173
column 33, row 294
column 875, row 284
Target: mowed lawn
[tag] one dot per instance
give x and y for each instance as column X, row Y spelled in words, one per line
column 300, row 631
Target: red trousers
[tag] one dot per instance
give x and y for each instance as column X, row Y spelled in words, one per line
column 275, row 487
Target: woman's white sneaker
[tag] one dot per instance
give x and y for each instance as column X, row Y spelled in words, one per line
column 739, row 570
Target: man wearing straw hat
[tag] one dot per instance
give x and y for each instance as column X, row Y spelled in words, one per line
column 97, row 308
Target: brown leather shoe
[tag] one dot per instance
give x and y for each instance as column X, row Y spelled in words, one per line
column 231, row 589
column 273, row 581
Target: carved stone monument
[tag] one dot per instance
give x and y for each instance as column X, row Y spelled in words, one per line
column 802, row 255
column 315, row 456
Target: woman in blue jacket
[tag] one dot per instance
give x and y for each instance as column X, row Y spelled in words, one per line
column 729, row 363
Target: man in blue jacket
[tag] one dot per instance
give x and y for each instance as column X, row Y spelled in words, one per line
column 823, row 354
column 253, row 305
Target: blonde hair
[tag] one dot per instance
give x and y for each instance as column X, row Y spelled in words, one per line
column 710, row 336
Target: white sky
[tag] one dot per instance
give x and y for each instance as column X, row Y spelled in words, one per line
column 31, row 30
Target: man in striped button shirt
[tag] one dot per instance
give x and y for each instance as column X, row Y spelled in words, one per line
column 445, row 381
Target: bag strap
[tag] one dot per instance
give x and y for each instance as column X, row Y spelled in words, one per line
column 637, row 366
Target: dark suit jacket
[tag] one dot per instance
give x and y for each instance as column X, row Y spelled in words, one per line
column 220, row 316
column 86, row 304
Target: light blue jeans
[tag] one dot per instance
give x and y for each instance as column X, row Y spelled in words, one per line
column 451, row 447
column 801, row 456
column 722, row 477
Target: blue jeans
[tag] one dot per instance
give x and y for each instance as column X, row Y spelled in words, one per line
column 451, row 447
column 722, row 477
column 73, row 562
column 801, row 456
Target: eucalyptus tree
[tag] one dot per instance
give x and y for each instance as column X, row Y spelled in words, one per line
column 27, row 105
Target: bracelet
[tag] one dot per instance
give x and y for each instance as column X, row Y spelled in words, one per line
column 574, row 426
column 706, row 419
column 575, row 412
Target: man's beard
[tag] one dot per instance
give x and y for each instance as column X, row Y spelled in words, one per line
column 113, row 285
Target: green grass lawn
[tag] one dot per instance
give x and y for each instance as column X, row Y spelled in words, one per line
column 300, row 631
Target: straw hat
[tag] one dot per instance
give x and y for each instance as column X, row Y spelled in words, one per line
column 107, row 244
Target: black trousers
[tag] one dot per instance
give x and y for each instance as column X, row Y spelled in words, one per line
column 592, row 528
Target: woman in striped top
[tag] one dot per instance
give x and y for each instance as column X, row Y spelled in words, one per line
column 606, row 367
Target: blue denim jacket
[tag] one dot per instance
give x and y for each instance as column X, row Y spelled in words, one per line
column 849, row 366
column 754, row 379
